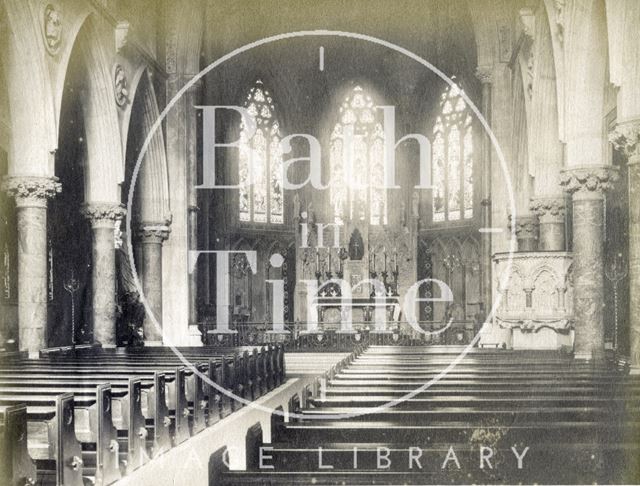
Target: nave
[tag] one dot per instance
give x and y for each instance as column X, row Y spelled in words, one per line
column 578, row 420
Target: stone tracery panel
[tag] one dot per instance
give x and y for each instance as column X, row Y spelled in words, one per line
column 536, row 304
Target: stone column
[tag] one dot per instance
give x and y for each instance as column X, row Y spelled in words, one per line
column 550, row 212
column 180, row 322
column 103, row 217
column 626, row 137
column 484, row 74
column 587, row 186
column 192, row 236
column 31, row 194
column 150, row 237
column 526, row 232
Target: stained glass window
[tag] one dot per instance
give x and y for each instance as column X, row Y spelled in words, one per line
column 452, row 158
column 261, row 198
column 357, row 161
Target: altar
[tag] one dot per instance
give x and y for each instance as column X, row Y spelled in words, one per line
column 357, row 280
column 375, row 314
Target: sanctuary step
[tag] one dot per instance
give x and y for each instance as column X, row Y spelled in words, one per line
column 427, row 415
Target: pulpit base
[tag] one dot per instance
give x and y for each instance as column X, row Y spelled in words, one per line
column 544, row 338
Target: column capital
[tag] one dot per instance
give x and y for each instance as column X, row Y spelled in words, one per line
column 626, row 138
column 31, row 190
column 526, row 226
column 153, row 232
column 589, row 181
column 484, row 74
column 103, row 214
column 548, row 208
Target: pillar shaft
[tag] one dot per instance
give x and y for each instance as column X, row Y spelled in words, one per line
column 626, row 137
column 587, row 186
column 550, row 211
column 151, row 237
column 634, row 262
column 192, row 98
column 103, row 217
column 31, row 194
column 484, row 75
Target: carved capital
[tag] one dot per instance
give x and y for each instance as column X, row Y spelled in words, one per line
column 484, row 74
column 548, row 209
column 626, row 138
column 525, row 226
column 153, row 232
column 31, row 191
column 590, row 181
column 103, row 214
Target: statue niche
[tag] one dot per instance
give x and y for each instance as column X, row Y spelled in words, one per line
column 356, row 246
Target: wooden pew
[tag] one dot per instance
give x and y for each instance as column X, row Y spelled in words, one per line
column 156, row 404
column 574, row 415
column 16, row 464
column 153, row 403
column 92, row 418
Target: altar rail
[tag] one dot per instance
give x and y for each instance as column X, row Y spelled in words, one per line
column 295, row 337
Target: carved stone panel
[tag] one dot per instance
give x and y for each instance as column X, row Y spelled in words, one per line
column 536, row 297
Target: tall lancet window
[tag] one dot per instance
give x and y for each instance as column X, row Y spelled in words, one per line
column 357, row 161
column 260, row 164
column 452, row 158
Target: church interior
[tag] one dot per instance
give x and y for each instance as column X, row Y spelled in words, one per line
column 338, row 242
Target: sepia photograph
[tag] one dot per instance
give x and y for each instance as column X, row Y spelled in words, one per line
column 319, row 242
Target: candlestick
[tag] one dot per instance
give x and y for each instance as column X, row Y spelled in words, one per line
column 384, row 251
column 317, row 259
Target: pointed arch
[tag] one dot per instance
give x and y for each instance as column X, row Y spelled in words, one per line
column 152, row 193
column 105, row 168
column 260, row 169
column 357, row 161
column 544, row 148
column 453, row 158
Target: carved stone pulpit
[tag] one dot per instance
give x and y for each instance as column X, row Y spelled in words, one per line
column 536, row 301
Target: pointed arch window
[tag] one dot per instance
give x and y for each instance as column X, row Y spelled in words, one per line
column 261, row 198
column 453, row 154
column 357, row 161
